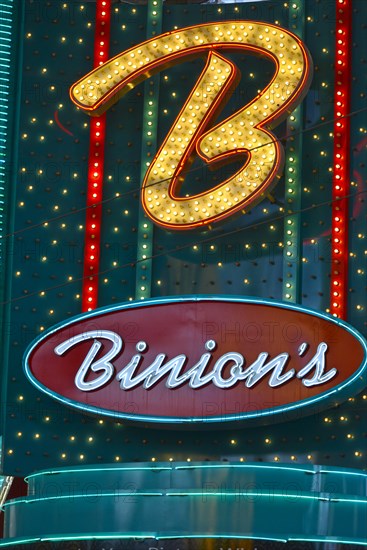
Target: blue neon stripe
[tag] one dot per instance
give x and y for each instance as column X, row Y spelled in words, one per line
column 114, row 494
column 86, row 469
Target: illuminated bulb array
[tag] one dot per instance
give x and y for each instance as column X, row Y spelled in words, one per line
column 293, row 176
column 241, row 132
column 291, row 253
column 341, row 177
column 95, row 170
column 149, row 145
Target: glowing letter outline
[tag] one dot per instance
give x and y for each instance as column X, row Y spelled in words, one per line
column 242, row 133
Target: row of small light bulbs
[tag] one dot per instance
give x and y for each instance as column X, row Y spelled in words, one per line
column 339, row 259
column 95, row 169
column 118, row 458
column 233, row 442
column 292, row 188
column 149, row 130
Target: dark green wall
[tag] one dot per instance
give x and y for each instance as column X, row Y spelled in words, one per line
column 50, row 184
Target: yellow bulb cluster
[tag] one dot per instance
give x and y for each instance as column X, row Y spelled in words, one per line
column 241, row 133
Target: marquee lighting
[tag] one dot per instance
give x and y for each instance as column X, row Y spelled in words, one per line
column 243, row 133
column 149, row 132
column 293, row 177
column 341, row 175
column 95, row 170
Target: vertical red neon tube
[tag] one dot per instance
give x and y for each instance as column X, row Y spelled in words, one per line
column 92, row 241
column 341, row 169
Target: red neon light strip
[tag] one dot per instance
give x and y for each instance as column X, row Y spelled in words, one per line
column 341, row 172
column 92, row 244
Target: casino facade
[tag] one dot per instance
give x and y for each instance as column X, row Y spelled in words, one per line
column 183, row 277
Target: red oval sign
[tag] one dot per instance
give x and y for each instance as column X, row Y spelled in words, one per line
column 199, row 359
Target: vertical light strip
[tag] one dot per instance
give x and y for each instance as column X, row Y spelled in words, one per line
column 92, row 241
column 11, row 42
column 149, row 148
column 292, row 251
column 341, row 177
column 6, row 20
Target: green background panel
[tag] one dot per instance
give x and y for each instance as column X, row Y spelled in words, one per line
column 242, row 256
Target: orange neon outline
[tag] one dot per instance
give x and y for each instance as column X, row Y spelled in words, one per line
column 159, row 63
column 254, row 195
column 145, row 72
column 211, row 112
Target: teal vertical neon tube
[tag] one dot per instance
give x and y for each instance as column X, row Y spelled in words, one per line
column 149, row 147
column 292, row 251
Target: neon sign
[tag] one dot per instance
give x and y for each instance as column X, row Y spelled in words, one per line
column 174, row 369
column 245, row 132
column 199, row 359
